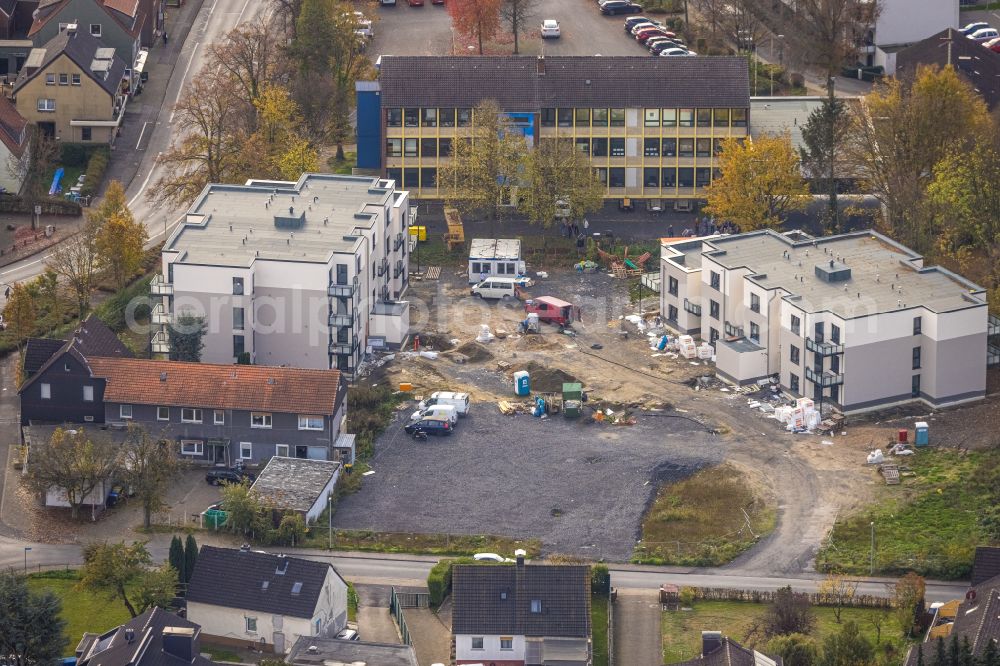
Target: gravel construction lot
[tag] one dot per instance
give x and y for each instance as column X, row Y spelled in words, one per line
column 580, row 488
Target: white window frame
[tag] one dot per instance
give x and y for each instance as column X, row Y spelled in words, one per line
column 482, row 643
column 199, row 447
column 251, row 625
column 265, row 420
column 46, row 391
column 63, row 79
column 215, row 417
column 159, row 410
column 46, row 105
column 50, row 79
column 279, row 447
column 196, row 415
column 304, row 421
column 249, row 448
column 90, row 390
column 510, row 643
column 75, row 79
column 125, row 411
column 95, row 25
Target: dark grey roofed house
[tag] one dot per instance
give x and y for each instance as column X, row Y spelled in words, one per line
column 527, row 83
column 986, row 565
column 719, row 650
column 154, row 638
column 37, row 351
column 81, row 48
column 977, row 619
column 297, row 484
column 316, row 651
column 978, row 66
column 241, row 596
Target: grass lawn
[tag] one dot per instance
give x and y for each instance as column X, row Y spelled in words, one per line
column 928, row 524
column 216, row 653
column 83, row 611
column 682, row 630
column 697, row 521
column 426, row 544
column 344, row 168
column 599, row 624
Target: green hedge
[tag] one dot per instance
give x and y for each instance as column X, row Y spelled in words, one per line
column 600, row 580
column 96, row 166
column 78, row 154
column 439, row 581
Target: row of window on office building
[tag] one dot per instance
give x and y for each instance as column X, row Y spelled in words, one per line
column 590, row 146
column 574, row 117
column 615, row 177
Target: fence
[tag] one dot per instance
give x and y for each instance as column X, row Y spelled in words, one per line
column 396, row 610
column 768, row 596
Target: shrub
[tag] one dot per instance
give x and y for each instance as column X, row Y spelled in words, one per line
column 114, row 311
column 96, row 166
column 439, row 581
column 600, row 580
column 688, row 596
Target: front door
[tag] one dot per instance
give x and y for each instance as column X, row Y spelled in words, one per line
column 279, row 642
column 301, row 451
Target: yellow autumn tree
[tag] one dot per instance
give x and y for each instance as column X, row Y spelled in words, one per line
column 119, row 237
column 759, row 184
column 280, row 144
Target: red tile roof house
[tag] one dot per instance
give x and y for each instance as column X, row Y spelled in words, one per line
column 124, row 25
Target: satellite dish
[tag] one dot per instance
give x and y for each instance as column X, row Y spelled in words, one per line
column 970, row 595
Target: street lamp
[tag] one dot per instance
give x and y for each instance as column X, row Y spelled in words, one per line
column 871, row 567
column 329, row 517
column 26, row 549
column 781, row 57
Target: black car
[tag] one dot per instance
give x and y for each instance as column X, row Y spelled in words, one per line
column 662, row 44
column 636, row 20
column 620, row 7
column 219, row 476
column 430, row 425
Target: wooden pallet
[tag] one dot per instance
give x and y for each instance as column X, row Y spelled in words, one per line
column 890, row 473
column 432, row 273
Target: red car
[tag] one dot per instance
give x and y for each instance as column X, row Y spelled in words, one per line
column 437, row 2
column 644, row 35
column 415, row 3
column 993, row 45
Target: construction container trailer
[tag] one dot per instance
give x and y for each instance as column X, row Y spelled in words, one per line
column 495, row 257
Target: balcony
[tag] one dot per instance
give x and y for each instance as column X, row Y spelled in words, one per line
column 160, row 344
column 824, row 378
column 733, row 331
column 383, row 267
column 398, row 269
column 160, row 287
column 159, row 315
column 383, row 294
column 344, row 290
column 342, row 348
column 692, row 308
column 341, row 320
column 398, row 243
column 824, row 348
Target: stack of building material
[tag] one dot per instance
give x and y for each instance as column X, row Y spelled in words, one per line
column 686, row 347
column 705, row 351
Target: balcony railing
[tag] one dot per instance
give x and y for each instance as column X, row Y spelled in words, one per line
column 383, row 294
column 398, row 269
column 160, row 344
column 344, row 290
column 159, row 315
column 340, row 320
column 824, row 348
column 398, row 243
column 993, row 325
column 160, row 287
column 692, row 308
column 383, row 267
column 824, row 378
column 341, row 348
column 733, row 331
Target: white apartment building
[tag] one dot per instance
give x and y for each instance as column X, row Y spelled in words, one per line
column 854, row 320
column 308, row 274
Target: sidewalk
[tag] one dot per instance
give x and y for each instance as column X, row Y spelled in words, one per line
column 144, row 109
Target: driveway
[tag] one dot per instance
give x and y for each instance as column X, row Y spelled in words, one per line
column 637, row 629
column 579, row 488
column 405, row 30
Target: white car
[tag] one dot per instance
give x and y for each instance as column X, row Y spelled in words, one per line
column 490, row 557
column 677, row 51
column 550, row 28
column 972, row 27
column 984, row 35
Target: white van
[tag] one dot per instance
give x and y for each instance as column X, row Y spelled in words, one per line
column 436, row 410
column 460, row 401
column 496, row 287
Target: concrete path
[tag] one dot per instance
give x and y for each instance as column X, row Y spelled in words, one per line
column 374, row 622
column 637, row 629
column 431, row 638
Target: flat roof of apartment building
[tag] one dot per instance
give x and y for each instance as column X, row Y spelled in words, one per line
column 306, row 221
column 851, row 275
column 528, row 83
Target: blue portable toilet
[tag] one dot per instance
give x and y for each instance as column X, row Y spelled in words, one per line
column 522, row 383
column 923, row 435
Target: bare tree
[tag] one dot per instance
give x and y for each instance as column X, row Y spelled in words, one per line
column 77, row 262
column 74, row 462
column 713, row 13
column 249, row 53
column 838, row 591
column 517, row 13
column 743, row 25
column 150, row 466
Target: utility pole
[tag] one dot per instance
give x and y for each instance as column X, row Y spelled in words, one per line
column 871, row 567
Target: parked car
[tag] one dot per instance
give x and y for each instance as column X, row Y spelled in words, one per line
column 550, row 28
column 437, row 2
column 972, row 27
column 636, row 20
column 993, row 44
column 460, row 401
column 490, row 557
column 217, row 477
column 498, row 287
column 613, row 7
column 430, row 425
column 387, row 3
column 659, row 46
column 436, row 410
column 415, row 3
column 552, row 310
column 676, row 51
column 644, row 35
column 984, row 35
column 349, row 634
column 636, row 27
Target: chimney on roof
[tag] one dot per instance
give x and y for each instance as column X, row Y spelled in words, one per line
column 519, row 555
column 270, row 380
column 163, row 376
column 540, row 66
column 710, row 642
column 312, row 649
column 71, row 29
column 180, row 642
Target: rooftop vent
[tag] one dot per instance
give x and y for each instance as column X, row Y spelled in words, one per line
column 290, row 221
column 833, row 271
column 312, row 649
column 163, row 376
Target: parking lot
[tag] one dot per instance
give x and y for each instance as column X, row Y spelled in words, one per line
column 405, row 30
column 580, row 488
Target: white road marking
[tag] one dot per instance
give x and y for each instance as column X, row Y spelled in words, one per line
column 180, row 90
column 141, row 134
column 144, row 183
column 212, row 11
column 239, row 18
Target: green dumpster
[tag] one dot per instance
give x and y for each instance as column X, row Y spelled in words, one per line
column 572, row 395
column 215, row 518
